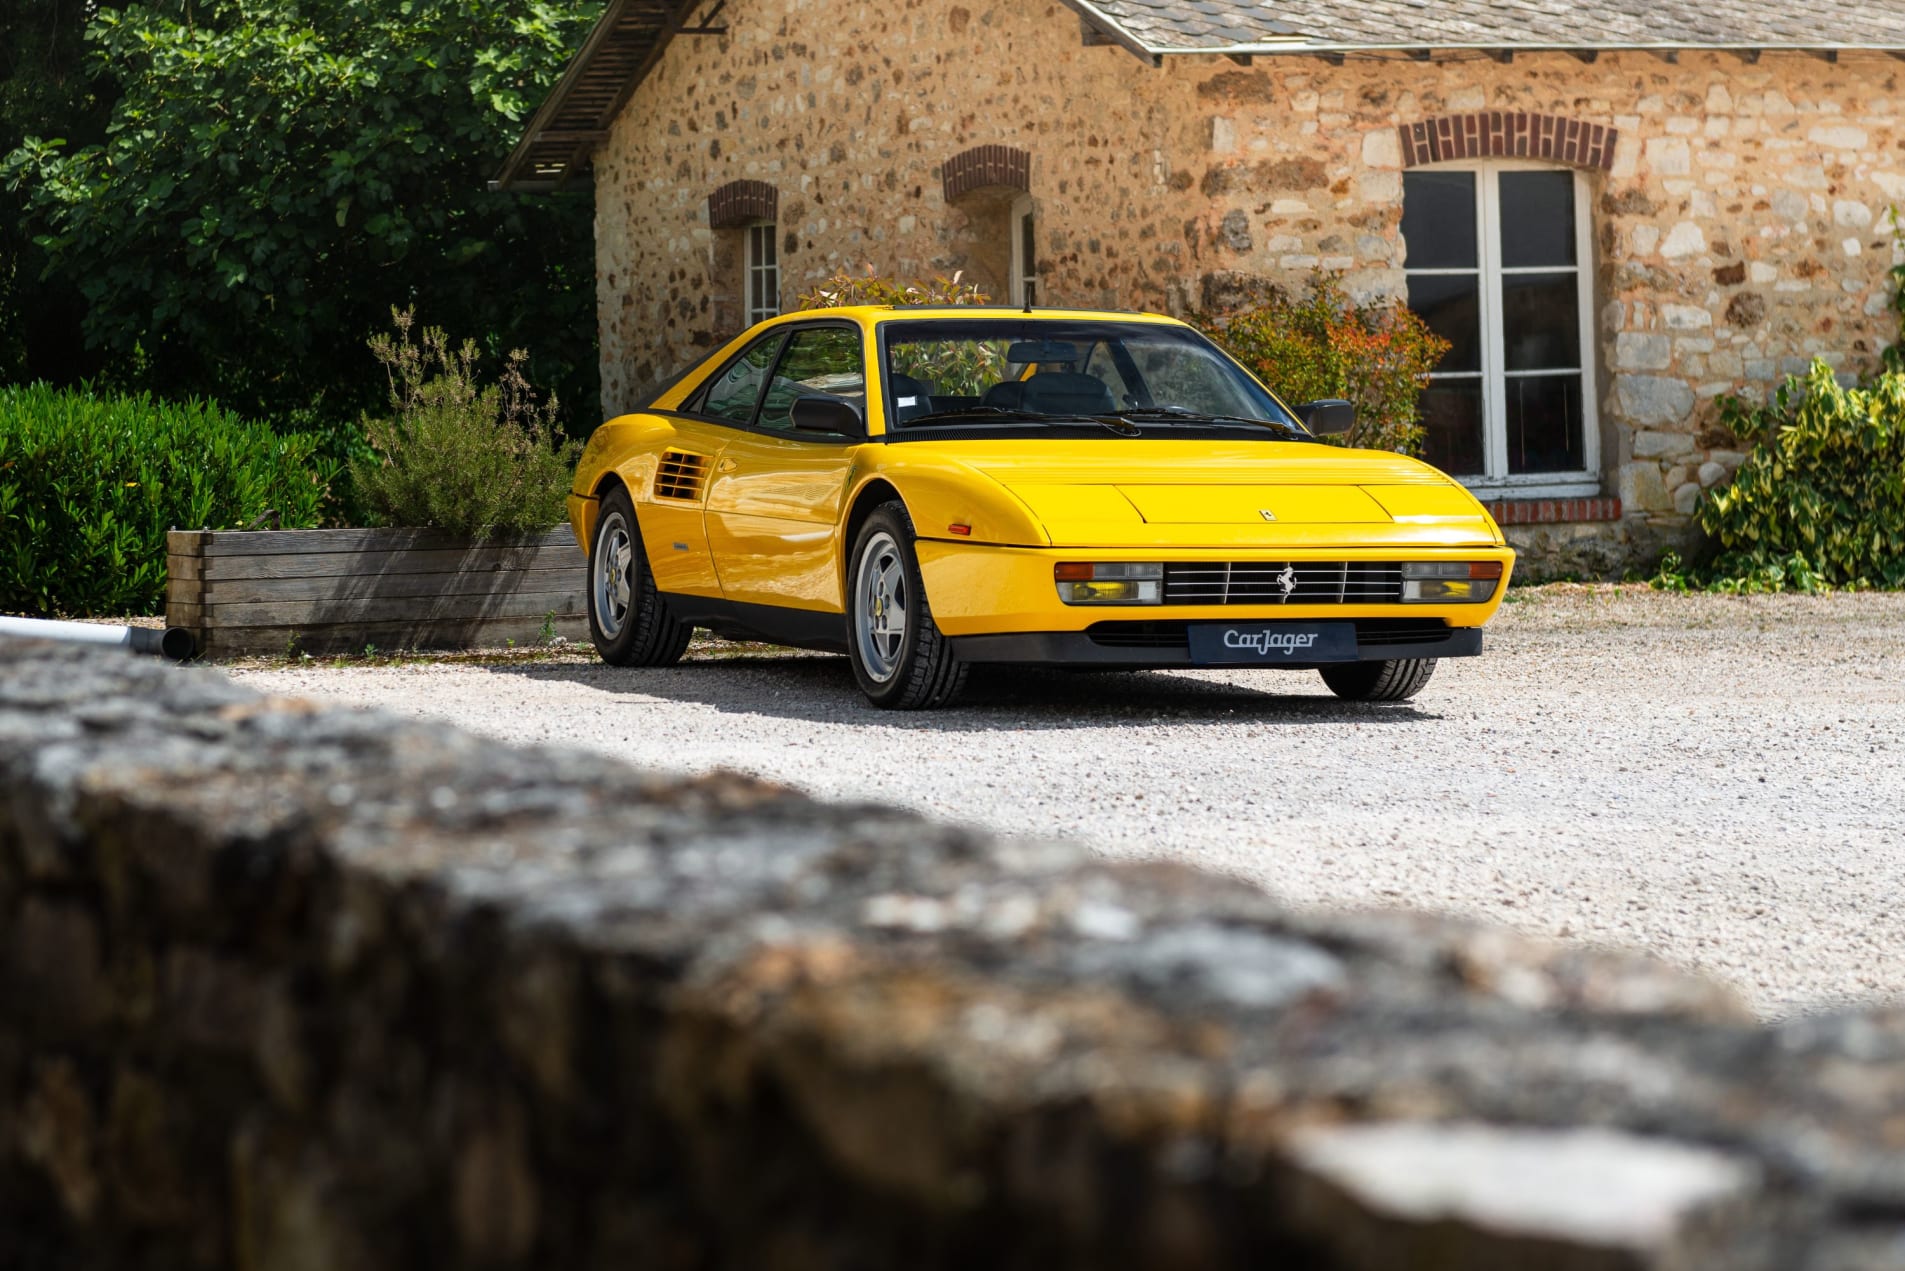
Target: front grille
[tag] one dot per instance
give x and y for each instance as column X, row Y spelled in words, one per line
column 1172, row 634
column 1303, row 582
column 680, row 475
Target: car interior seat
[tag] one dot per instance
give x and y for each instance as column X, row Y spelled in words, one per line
column 911, row 398
column 1066, row 393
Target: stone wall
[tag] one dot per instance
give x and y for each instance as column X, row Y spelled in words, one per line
column 1741, row 225
column 285, row 987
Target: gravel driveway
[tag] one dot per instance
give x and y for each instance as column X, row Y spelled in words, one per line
column 1719, row 780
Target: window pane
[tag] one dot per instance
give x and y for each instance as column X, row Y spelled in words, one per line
column 1438, row 220
column 822, row 363
column 733, row 395
column 1544, row 424
column 1451, row 413
column 1541, row 322
column 1450, row 304
column 1537, row 219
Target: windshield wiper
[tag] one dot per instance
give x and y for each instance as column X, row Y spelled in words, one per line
column 1199, row 417
column 1122, row 427
column 967, row 412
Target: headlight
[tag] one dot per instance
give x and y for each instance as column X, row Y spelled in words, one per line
column 1450, row 582
column 1117, row 583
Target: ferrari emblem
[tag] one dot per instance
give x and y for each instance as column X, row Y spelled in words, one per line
column 1287, row 579
column 1266, row 514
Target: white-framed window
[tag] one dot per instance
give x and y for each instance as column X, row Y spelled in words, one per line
column 1024, row 273
column 763, row 272
column 1497, row 263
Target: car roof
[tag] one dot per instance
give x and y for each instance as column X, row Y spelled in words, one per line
column 916, row 313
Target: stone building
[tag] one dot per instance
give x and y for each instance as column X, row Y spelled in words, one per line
column 1616, row 211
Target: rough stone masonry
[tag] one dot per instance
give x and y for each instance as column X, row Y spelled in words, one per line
column 284, row 987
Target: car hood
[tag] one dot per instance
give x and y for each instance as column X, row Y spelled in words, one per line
column 1253, row 495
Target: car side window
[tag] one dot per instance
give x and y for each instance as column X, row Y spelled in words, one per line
column 734, row 395
column 818, row 362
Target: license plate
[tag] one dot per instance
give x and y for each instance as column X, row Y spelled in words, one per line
column 1271, row 643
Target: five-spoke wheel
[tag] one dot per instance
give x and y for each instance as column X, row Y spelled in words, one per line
column 899, row 656
column 628, row 619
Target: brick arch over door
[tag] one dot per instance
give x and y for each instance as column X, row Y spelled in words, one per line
column 741, row 203
column 983, row 166
column 1508, row 134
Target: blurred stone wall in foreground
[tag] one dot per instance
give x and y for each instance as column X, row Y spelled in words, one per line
column 287, row 987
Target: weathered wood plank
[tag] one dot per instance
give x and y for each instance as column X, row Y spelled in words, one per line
column 348, row 565
column 321, row 613
column 478, row 633
column 314, row 542
column 385, row 586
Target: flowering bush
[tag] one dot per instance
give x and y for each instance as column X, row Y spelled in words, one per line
column 1324, row 344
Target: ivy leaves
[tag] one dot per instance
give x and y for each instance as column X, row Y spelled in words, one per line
column 1820, row 500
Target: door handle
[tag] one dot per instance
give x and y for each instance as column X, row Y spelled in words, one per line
column 727, row 465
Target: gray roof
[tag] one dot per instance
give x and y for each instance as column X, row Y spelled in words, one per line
column 1205, row 26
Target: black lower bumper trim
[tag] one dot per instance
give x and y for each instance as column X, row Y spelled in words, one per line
column 1080, row 648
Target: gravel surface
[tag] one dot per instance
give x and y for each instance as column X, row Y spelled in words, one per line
column 1719, row 780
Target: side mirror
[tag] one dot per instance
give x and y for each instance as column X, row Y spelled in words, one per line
column 833, row 415
column 1330, row 417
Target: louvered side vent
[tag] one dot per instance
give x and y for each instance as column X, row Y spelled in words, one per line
column 681, row 476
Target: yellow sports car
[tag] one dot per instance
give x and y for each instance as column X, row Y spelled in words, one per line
column 925, row 489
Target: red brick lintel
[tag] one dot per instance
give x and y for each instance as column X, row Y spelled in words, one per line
column 1508, row 134
column 1554, row 511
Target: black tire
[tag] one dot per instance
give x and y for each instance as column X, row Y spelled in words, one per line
column 1393, row 680
column 629, row 623
column 912, row 669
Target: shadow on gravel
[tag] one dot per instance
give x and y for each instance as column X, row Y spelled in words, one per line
column 817, row 687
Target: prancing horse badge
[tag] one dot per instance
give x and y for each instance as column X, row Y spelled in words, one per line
column 1266, row 514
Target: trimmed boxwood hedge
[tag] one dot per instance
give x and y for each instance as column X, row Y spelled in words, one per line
column 90, row 483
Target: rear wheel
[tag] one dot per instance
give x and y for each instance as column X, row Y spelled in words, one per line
column 900, row 659
column 628, row 618
column 1390, row 680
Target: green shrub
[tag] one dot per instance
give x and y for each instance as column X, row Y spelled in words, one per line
column 1820, row 500
column 844, row 289
column 457, row 454
column 1323, row 344
column 89, row 485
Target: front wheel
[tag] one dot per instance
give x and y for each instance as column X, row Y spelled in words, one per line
column 628, row 618
column 1390, row 680
column 900, row 659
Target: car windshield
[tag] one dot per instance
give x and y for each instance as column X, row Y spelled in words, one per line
column 1027, row 376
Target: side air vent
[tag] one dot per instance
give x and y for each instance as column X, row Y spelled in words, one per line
column 681, row 476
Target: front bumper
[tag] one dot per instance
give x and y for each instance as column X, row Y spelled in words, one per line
column 1166, row 643
column 982, row 590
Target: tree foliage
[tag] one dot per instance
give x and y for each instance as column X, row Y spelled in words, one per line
column 44, row 91
column 276, row 173
column 1324, row 344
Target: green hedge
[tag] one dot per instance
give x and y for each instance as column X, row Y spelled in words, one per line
column 89, row 485
column 1820, row 500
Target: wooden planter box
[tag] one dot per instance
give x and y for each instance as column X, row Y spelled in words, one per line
column 336, row 591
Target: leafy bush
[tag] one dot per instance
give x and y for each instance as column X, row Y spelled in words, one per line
column 89, row 485
column 845, row 289
column 956, row 366
column 457, row 454
column 1819, row 502
column 1323, row 344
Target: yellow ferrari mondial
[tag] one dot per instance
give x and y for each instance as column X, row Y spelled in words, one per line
column 926, row 489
